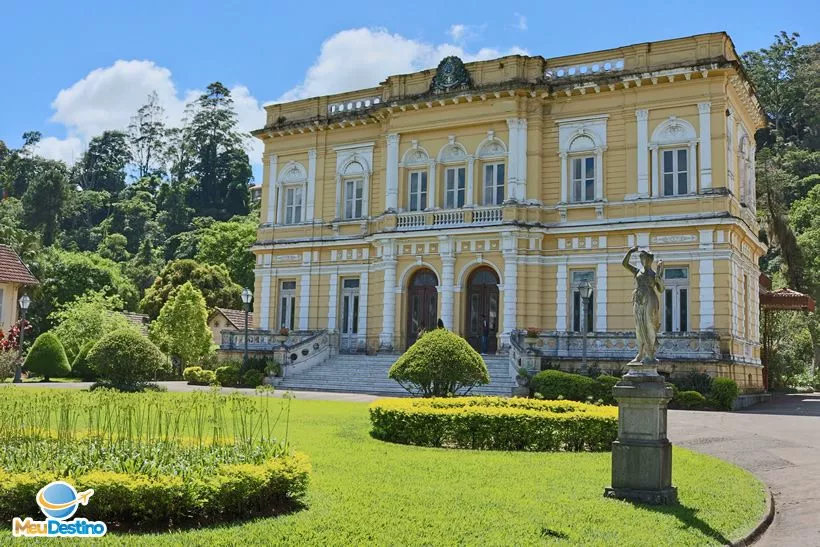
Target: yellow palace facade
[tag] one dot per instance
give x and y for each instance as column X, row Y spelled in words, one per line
column 486, row 194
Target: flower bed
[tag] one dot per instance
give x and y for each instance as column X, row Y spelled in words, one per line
column 494, row 423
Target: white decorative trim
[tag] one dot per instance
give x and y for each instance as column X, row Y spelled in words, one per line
column 388, row 251
column 561, row 298
column 509, row 250
column 404, row 278
column 517, row 153
column 264, row 302
column 391, row 200
column 471, row 266
column 592, row 128
column 332, row 300
column 674, row 132
column 310, row 195
column 642, row 117
column 704, row 111
column 364, row 280
column 304, row 302
column 452, row 152
column 491, row 148
column 600, row 298
column 272, row 189
column 346, row 157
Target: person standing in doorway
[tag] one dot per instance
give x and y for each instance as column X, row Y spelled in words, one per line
column 485, row 333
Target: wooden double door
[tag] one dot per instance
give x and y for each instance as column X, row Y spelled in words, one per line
column 422, row 304
column 482, row 310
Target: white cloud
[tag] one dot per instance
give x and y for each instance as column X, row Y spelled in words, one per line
column 457, row 32
column 363, row 57
column 106, row 99
column 520, row 21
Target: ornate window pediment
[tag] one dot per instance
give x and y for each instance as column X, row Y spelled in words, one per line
column 582, row 143
column 416, row 156
column 452, row 152
column 451, row 75
column 292, row 173
column 673, row 131
column 492, row 147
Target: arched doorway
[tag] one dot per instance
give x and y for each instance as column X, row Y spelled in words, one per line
column 482, row 309
column 422, row 304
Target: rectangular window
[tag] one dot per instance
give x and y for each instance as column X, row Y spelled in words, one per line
column 676, row 299
column 287, row 304
column 354, row 198
column 455, row 181
column 418, row 191
column 293, row 205
column 675, row 169
column 350, row 306
column 493, row 184
column 583, row 178
column 582, row 314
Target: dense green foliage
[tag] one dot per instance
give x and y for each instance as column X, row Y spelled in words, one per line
column 693, row 381
column 253, row 378
column 126, row 360
column 80, row 367
column 688, row 400
column 228, row 375
column 723, row 393
column 86, row 319
column 182, row 327
column 439, row 364
column 365, row 491
column 494, row 423
column 198, row 376
column 47, row 357
column 555, row 384
column 212, row 281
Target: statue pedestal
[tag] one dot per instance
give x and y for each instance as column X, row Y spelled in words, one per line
column 642, row 455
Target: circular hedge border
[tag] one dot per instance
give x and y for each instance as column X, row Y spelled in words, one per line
column 495, row 423
column 135, row 502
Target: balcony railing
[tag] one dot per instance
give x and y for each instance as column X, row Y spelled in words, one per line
column 353, row 105
column 425, row 220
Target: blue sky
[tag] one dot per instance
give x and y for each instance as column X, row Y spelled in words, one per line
column 72, row 69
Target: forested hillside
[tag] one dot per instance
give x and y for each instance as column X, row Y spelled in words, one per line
column 145, row 210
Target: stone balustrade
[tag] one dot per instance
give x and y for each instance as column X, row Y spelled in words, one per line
column 586, row 69
column 353, row 105
column 421, row 220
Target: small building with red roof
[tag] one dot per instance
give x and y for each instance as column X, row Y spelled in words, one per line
column 14, row 277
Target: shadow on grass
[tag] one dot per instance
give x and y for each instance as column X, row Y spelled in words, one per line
column 688, row 517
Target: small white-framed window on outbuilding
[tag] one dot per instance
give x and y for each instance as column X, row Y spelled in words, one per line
column 674, row 158
column 417, row 186
column 675, row 303
column 580, row 313
column 287, row 304
column 581, row 145
column 293, row 204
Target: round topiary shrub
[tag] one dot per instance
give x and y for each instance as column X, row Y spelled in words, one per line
column 723, row 393
column 253, row 378
column 554, row 384
column 47, row 357
column 228, row 375
column 126, row 360
column 688, row 400
column 81, row 368
column 440, row 364
column 495, row 423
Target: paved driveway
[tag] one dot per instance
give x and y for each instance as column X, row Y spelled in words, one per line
column 779, row 441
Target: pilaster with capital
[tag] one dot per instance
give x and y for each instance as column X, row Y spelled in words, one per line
column 509, row 251
column 448, row 263
column 389, row 318
column 392, row 173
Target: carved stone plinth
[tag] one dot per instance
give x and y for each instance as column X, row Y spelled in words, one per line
column 642, row 455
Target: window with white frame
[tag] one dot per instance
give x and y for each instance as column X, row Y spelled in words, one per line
column 353, row 198
column 582, row 314
column 583, row 178
column 676, row 299
column 287, row 304
column 350, row 306
column 494, row 183
column 417, row 184
column 455, row 180
column 675, row 171
column 293, row 205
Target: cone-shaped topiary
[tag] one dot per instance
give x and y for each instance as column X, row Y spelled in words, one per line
column 47, row 357
column 440, row 364
column 81, row 367
column 126, row 360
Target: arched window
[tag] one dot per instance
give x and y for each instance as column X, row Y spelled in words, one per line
column 292, row 182
column 492, row 155
column 582, row 168
column 674, row 165
column 453, row 158
column 416, row 163
column 353, row 188
column 581, row 145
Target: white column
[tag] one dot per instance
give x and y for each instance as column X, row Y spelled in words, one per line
column 332, row 301
column 264, row 302
column 693, row 168
column 512, row 158
column 706, row 275
column 656, row 173
column 272, row 163
column 730, row 151
column 522, row 160
column 704, row 110
column 733, row 300
column 564, row 176
column 304, row 302
column 600, row 298
column 510, row 253
column 366, row 197
column 642, row 116
column 363, row 292
column 561, row 299
column 448, row 266
column 389, row 318
column 517, row 155
column 599, row 174
column 431, row 185
column 339, row 197
column 310, row 193
column 392, row 173
column 469, row 199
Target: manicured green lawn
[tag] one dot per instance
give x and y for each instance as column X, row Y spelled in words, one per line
column 365, row 491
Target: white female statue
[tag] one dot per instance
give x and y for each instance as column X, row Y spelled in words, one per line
column 646, row 304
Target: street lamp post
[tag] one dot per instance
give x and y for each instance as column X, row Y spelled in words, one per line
column 246, row 301
column 586, row 292
column 18, row 371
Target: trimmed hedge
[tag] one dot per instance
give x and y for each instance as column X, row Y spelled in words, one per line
column 228, row 375
column 495, row 423
column 130, row 501
column 197, row 376
column 253, row 378
column 81, row 368
column 689, row 400
column 126, row 360
column 555, row 384
column 723, row 393
column 47, row 357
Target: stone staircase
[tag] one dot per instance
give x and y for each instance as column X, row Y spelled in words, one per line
column 368, row 374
